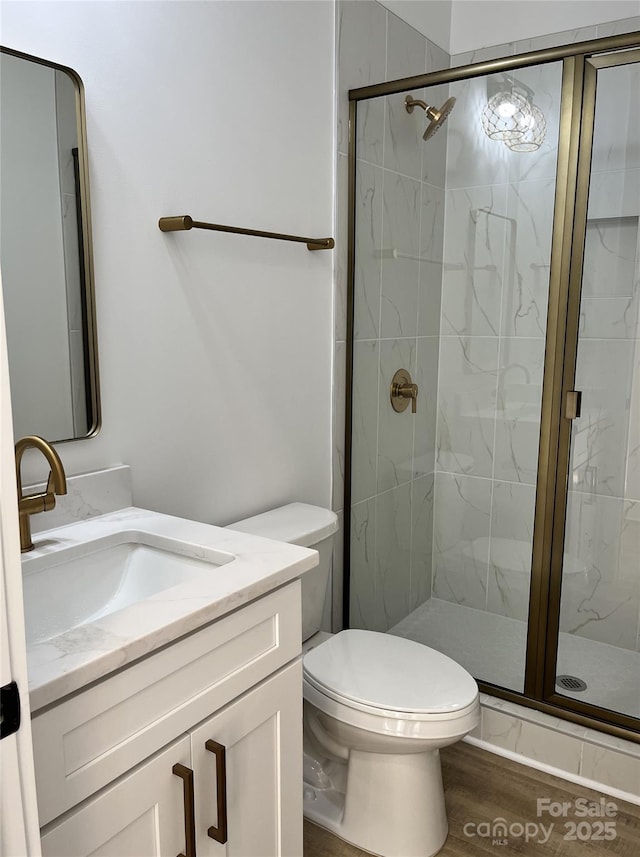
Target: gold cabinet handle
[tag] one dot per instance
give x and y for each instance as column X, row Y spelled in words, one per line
column 186, row 775
column 219, row 833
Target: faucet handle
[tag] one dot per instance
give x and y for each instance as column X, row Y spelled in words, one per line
column 414, row 398
column 49, row 496
column 403, row 389
column 51, row 489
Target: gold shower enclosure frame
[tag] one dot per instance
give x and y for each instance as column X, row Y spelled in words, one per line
column 581, row 62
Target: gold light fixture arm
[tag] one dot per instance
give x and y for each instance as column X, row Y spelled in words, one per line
column 32, row 504
column 183, row 222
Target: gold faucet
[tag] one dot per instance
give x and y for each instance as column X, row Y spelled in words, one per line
column 34, row 503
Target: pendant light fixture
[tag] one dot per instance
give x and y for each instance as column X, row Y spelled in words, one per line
column 511, row 117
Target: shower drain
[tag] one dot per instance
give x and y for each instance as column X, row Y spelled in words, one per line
column 571, row 682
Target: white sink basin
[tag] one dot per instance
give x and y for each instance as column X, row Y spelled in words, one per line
column 78, row 585
column 103, row 592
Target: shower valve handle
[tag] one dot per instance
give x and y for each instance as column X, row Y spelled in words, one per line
column 402, row 390
column 407, row 391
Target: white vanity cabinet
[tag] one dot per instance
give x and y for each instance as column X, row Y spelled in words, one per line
column 133, row 764
column 141, row 815
column 262, row 733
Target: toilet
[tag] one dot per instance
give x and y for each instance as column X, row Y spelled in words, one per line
column 377, row 709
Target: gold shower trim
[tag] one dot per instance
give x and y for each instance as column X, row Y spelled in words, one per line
column 183, row 222
column 572, row 178
column 560, row 383
column 464, row 72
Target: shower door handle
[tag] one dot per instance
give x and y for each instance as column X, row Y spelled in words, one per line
column 573, row 404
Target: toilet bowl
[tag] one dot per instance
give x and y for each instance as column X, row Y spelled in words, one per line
column 366, row 711
column 377, row 710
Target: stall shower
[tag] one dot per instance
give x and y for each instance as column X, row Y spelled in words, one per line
column 497, row 262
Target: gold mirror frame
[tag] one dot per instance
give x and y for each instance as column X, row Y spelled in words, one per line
column 92, row 395
column 577, row 111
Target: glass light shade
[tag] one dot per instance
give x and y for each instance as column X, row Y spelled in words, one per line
column 533, row 133
column 505, row 116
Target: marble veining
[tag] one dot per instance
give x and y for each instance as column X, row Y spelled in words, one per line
column 605, row 373
column 406, row 49
column 395, row 431
column 529, row 209
column 72, row 659
column 401, row 275
column 474, row 245
column 365, row 610
column 364, row 421
column 362, row 35
column 467, row 390
column 422, row 497
column 393, row 554
column 510, row 549
column 424, row 440
column 88, row 495
column 461, row 519
column 610, row 304
column 368, row 240
column 403, row 135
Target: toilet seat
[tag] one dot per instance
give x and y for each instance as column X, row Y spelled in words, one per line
column 377, row 711
column 367, row 676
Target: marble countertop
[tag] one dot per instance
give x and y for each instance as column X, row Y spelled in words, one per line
column 86, row 653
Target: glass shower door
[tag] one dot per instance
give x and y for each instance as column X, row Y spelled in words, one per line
column 453, row 237
column 598, row 656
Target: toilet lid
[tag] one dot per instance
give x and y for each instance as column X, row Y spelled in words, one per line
column 390, row 673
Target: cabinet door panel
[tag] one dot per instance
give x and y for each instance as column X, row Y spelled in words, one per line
column 142, row 815
column 83, row 744
column 262, row 736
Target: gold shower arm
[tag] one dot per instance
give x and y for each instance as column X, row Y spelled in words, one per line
column 183, row 221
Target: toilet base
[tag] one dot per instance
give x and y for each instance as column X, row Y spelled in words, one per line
column 389, row 805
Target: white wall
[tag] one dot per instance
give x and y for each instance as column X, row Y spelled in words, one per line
column 215, row 350
column 466, row 25
column 482, row 23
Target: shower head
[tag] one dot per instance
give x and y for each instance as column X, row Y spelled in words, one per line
column 437, row 116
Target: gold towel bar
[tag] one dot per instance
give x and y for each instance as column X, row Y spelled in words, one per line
column 183, row 221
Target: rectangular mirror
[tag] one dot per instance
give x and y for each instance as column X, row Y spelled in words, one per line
column 45, row 250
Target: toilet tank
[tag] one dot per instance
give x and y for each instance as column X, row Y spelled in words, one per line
column 309, row 527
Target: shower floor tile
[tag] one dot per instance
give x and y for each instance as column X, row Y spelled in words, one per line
column 493, row 648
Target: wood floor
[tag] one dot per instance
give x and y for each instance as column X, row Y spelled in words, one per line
column 481, row 787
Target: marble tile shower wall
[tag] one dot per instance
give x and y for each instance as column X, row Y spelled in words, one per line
column 491, row 361
column 498, row 229
column 482, row 476
column 399, row 222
